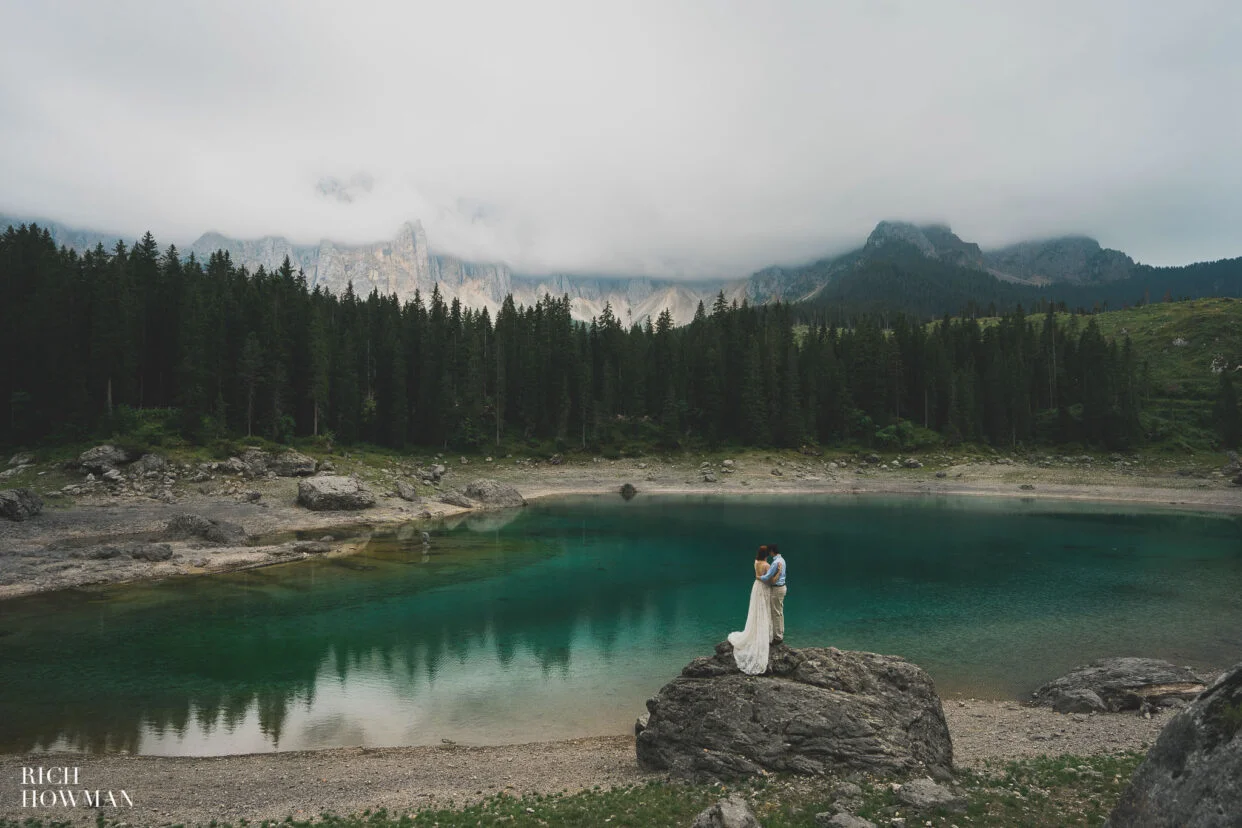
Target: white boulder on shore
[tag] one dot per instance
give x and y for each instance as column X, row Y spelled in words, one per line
column 329, row 492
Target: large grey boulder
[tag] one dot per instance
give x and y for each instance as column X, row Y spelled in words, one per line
column 1193, row 773
column 19, row 504
column 329, row 492
column 1115, row 684
column 102, row 458
column 187, row 527
column 292, row 464
column 816, row 710
column 22, row 458
column 491, row 494
column 733, row 812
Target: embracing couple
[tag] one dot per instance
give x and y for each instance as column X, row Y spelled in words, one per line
column 765, row 620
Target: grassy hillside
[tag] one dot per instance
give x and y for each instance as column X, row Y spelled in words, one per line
column 1179, row 342
column 1211, row 329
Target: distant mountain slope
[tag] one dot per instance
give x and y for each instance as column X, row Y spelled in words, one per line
column 927, row 270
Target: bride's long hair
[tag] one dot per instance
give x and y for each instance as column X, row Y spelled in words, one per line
column 762, row 554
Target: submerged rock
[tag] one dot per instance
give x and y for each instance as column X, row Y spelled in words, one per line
column 491, row 494
column 331, row 492
column 1119, row 684
column 628, row 491
column 1193, row 773
column 19, row 504
column 816, row 710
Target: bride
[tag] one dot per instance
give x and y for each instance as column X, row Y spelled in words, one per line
column 750, row 646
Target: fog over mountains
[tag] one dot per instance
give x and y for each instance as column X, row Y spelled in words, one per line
column 408, row 263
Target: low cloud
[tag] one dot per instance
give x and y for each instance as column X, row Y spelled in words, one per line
column 667, row 138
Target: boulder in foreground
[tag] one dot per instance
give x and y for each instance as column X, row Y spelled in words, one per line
column 1193, row 773
column 1111, row 685
column 19, row 504
column 816, row 710
column 331, row 493
column 491, row 494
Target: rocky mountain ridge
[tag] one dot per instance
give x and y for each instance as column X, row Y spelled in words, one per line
column 407, row 263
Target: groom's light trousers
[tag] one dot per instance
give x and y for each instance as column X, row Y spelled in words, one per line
column 778, row 613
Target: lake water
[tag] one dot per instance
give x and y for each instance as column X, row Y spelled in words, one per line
column 559, row 620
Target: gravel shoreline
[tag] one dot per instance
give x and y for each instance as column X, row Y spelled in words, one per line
column 349, row 780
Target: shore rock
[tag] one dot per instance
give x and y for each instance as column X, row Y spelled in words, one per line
column 1119, row 684
column 101, row 459
column 183, row 527
column 816, row 710
column 22, row 458
column 19, row 504
column 149, row 551
column 453, row 498
column 491, row 494
column 628, row 491
column 406, row 491
column 292, row 464
column 331, row 493
column 1193, row 773
column 733, row 812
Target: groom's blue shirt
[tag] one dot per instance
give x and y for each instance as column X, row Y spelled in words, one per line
column 772, row 571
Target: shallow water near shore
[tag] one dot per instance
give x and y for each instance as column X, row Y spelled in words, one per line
column 560, row 619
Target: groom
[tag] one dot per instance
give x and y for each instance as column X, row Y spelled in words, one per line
column 775, row 578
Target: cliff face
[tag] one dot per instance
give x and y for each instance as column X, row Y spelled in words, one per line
column 407, row 264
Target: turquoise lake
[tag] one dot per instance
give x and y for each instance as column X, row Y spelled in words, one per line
column 560, row 619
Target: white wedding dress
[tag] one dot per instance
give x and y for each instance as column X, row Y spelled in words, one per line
column 750, row 646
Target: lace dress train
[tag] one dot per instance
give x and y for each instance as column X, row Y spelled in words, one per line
column 750, row 646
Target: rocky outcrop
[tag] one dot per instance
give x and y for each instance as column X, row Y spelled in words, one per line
column 491, row 494
column 1111, row 685
column 187, row 527
column 1193, row 773
column 733, row 812
column 332, row 493
column 816, row 710
column 103, row 458
column 19, row 504
column 149, row 463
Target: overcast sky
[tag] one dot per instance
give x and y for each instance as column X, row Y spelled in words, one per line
column 700, row 138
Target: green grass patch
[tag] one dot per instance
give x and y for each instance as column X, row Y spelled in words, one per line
column 1032, row 793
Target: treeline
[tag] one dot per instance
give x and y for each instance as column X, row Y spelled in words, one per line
column 226, row 352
